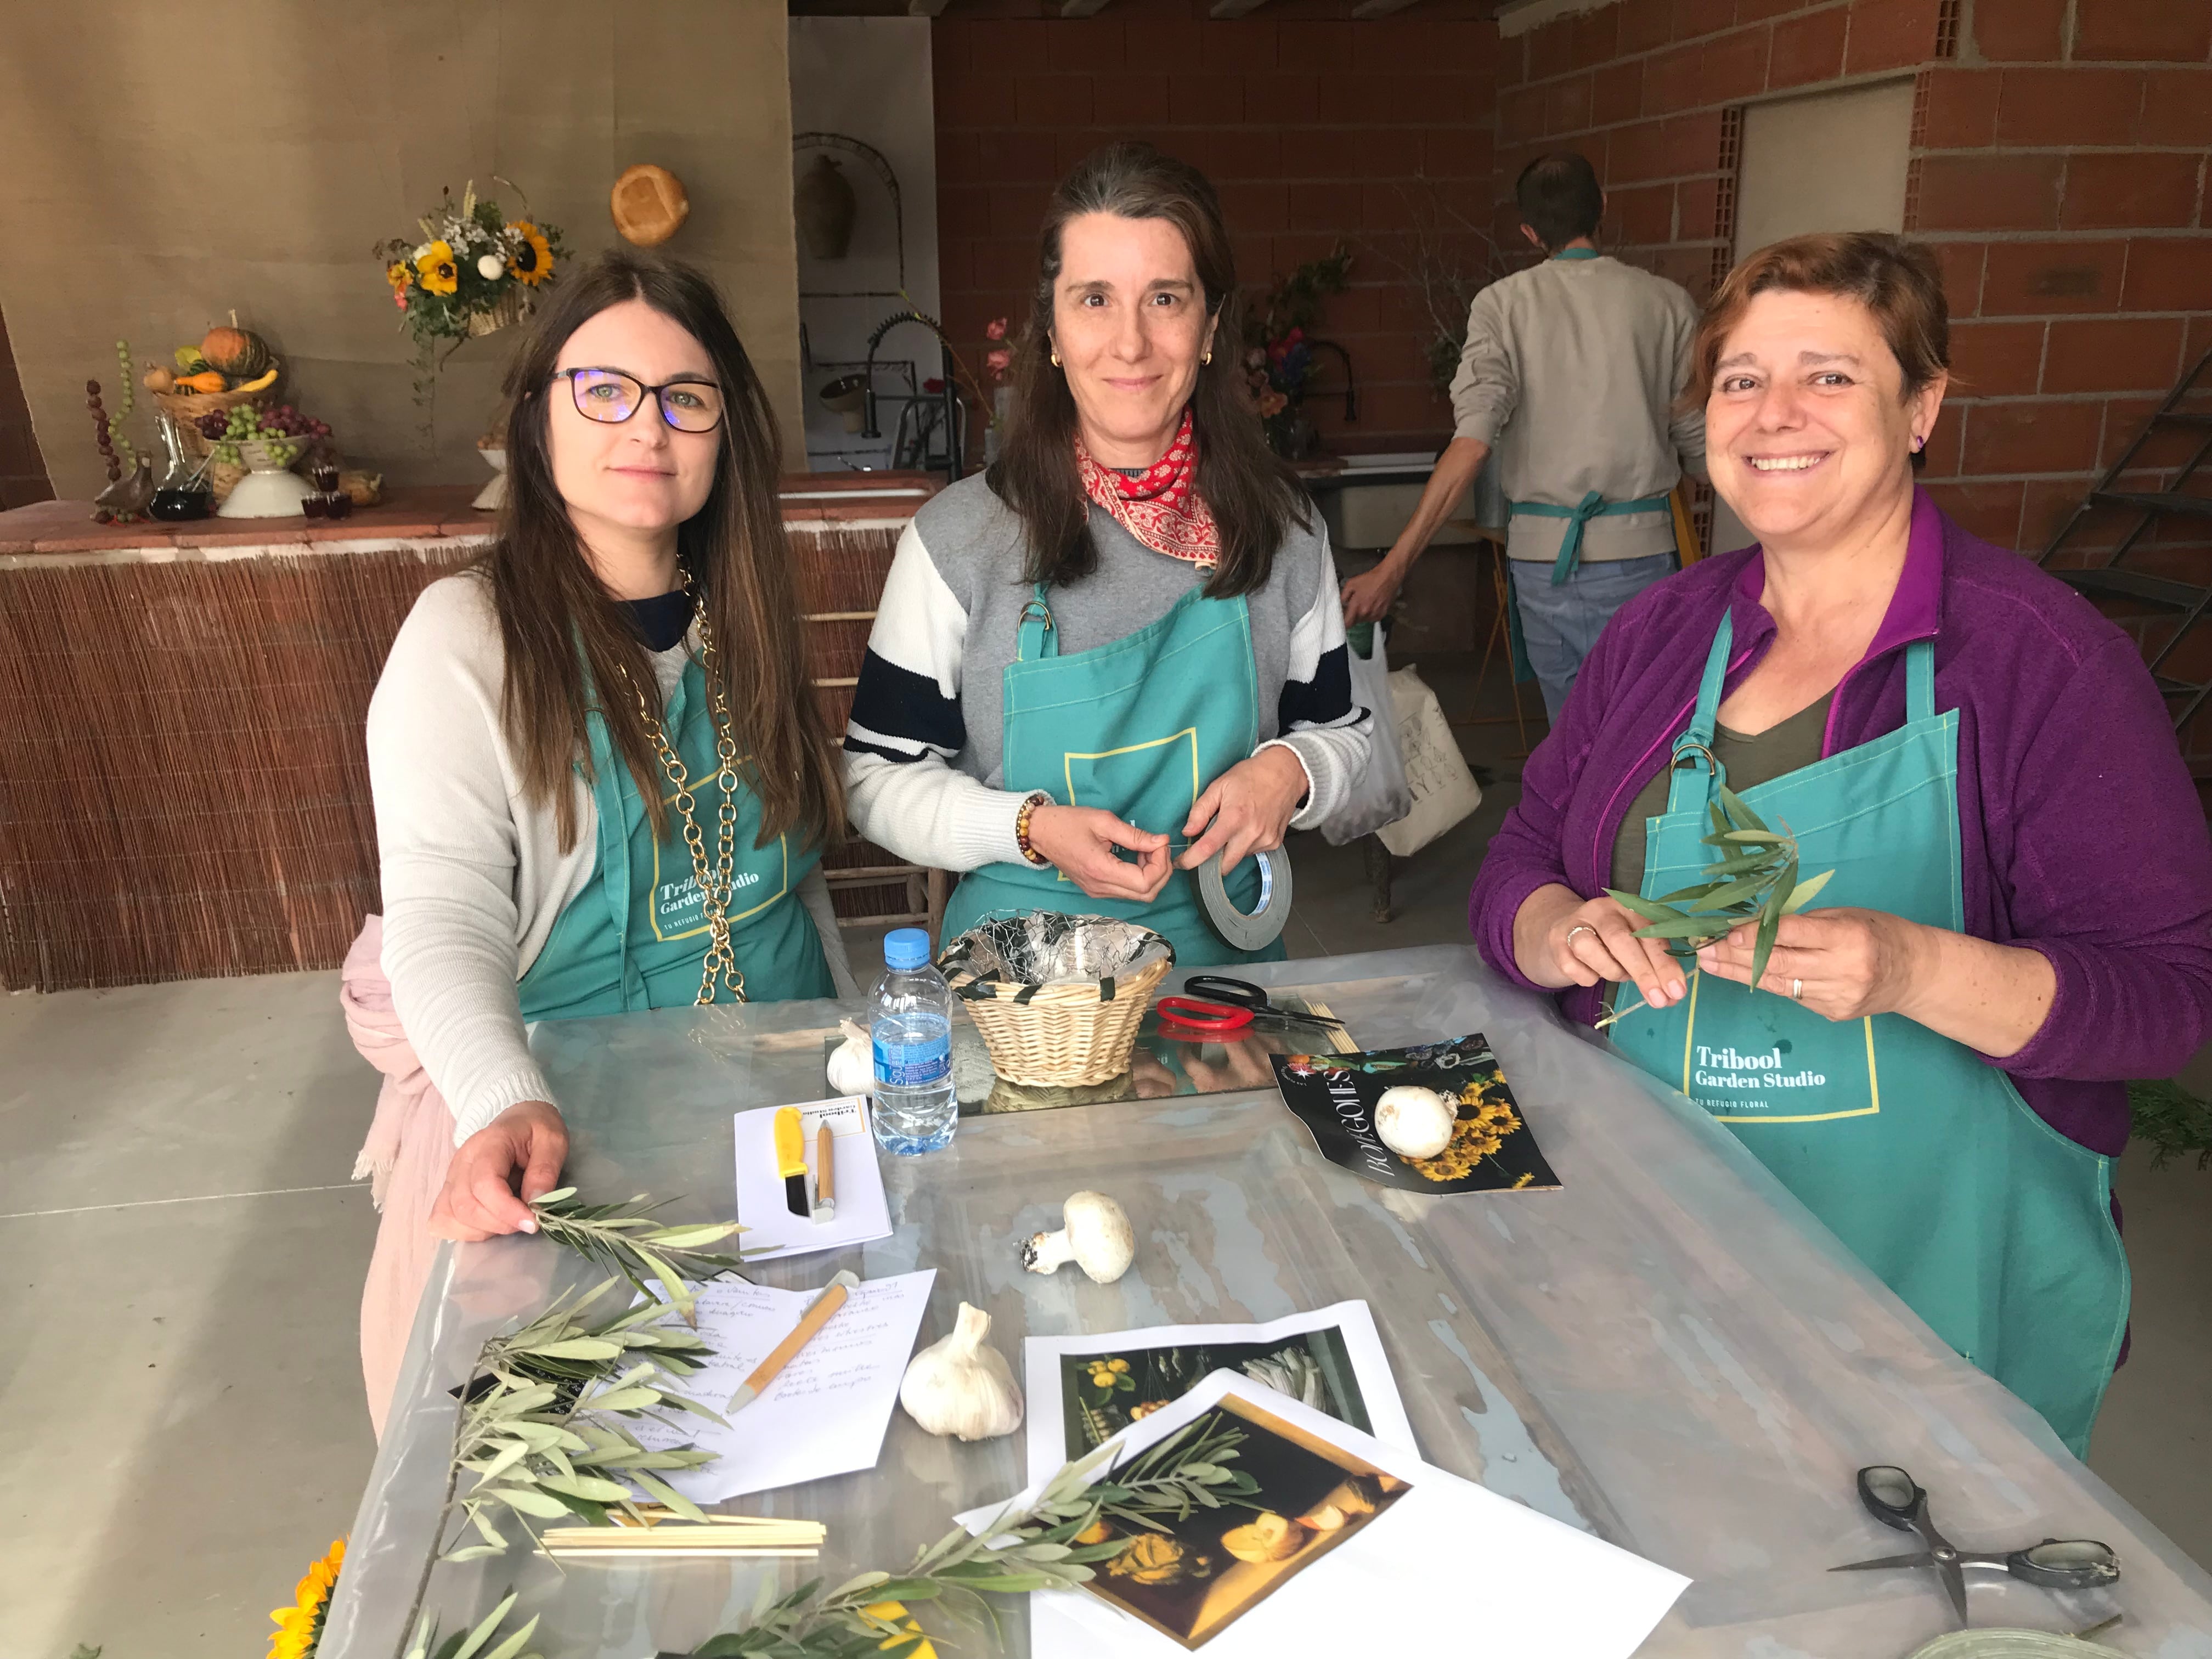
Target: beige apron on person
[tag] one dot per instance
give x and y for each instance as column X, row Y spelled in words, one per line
column 409, row 1145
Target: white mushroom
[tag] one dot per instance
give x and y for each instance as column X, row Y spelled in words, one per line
column 1414, row 1122
column 1095, row 1234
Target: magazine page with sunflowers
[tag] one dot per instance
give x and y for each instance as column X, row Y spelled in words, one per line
column 1437, row 1117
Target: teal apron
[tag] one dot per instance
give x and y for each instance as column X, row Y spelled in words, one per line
column 1139, row 728
column 636, row 934
column 1995, row 1228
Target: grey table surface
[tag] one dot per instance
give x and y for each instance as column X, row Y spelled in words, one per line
column 1668, row 1350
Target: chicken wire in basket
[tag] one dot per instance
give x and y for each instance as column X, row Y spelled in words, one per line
column 1057, row 998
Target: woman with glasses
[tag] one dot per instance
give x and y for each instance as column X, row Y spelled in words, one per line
column 1119, row 653
column 601, row 780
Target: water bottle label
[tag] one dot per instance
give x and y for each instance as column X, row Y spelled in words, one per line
column 914, row 1065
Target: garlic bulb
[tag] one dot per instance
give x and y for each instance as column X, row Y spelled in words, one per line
column 958, row 1386
column 1415, row 1123
column 853, row 1062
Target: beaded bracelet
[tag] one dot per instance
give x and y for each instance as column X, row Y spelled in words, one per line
column 1022, row 828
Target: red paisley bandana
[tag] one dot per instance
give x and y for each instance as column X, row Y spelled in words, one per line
column 1163, row 509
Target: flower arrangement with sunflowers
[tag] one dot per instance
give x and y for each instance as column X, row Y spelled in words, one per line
column 473, row 270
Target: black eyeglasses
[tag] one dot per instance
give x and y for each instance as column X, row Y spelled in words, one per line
column 611, row 397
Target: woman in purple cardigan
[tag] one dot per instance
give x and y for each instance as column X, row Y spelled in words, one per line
column 2021, row 913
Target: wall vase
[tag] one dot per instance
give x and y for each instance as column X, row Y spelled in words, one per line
column 824, row 207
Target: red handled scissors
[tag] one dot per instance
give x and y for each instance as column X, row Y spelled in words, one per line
column 1231, row 1005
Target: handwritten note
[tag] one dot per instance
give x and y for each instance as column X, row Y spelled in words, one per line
column 825, row 1412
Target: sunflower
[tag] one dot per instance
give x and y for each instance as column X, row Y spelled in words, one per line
column 531, row 257
column 300, row 1626
column 435, row 267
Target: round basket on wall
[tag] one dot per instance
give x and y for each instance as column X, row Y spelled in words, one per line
column 649, row 205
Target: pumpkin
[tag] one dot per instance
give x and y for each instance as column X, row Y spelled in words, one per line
column 236, row 352
column 209, row 382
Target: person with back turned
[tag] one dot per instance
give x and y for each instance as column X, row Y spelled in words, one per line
column 1569, row 375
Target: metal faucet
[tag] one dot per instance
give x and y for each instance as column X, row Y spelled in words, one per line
column 1350, row 404
column 953, row 444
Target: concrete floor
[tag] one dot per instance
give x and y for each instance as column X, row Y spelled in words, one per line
column 180, row 1405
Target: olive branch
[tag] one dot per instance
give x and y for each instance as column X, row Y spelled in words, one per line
column 1031, row 1548
column 1755, row 879
column 627, row 1240
column 540, row 1429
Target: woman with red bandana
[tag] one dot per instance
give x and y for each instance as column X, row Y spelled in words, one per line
column 1118, row 652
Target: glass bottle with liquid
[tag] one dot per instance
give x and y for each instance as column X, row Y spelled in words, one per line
column 184, row 492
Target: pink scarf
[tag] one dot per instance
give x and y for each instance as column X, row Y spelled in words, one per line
column 1163, row 509
column 409, row 1145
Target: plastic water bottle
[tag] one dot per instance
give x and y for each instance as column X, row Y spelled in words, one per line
column 915, row 1108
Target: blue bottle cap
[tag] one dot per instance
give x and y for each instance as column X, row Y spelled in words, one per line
column 906, row 947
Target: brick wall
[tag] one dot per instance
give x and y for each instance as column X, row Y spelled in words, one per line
column 2059, row 157
column 22, row 468
column 1315, row 129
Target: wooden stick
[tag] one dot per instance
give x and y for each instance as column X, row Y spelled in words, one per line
column 817, row 1314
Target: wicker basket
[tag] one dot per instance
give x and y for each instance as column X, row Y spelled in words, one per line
column 512, row 308
column 185, row 407
column 1061, row 1036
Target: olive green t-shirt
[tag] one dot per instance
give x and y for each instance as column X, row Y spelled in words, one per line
column 1781, row 748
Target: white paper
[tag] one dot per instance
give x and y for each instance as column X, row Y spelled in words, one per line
column 771, row 1230
column 1448, row 1568
column 825, row 1413
column 1041, row 1358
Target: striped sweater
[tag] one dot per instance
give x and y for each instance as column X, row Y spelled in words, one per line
column 922, row 751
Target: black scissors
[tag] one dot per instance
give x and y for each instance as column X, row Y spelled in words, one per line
column 1230, row 1003
column 1895, row 1499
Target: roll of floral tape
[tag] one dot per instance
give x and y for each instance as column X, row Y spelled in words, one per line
column 1249, row 932
column 1992, row 1643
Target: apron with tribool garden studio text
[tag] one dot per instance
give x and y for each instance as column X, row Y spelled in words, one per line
column 1995, row 1228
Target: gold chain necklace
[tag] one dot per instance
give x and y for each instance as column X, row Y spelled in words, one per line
column 715, row 884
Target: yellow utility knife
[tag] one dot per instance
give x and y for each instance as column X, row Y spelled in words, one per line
column 791, row 1160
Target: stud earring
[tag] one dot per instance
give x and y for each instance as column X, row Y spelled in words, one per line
column 1056, row 360
column 1207, row 361
column 1919, row 444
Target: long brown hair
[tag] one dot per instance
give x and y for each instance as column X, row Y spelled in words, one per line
column 1254, row 494
column 569, row 644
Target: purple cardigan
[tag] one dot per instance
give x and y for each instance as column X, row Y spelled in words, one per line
column 2081, row 835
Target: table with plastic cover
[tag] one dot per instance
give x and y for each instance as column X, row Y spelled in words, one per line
column 1668, row 1350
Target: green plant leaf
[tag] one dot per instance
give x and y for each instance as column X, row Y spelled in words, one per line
column 529, row 1500
column 1643, row 906
column 576, row 1347
column 1805, row 892
column 1688, row 928
column 483, row 1634
column 1740, row 813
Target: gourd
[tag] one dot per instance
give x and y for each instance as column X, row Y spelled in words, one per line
column 157, row 378
column 260, row 382
column 208, row 381
column 1414, row 1122
column 235, row 351
column 958, row 1386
